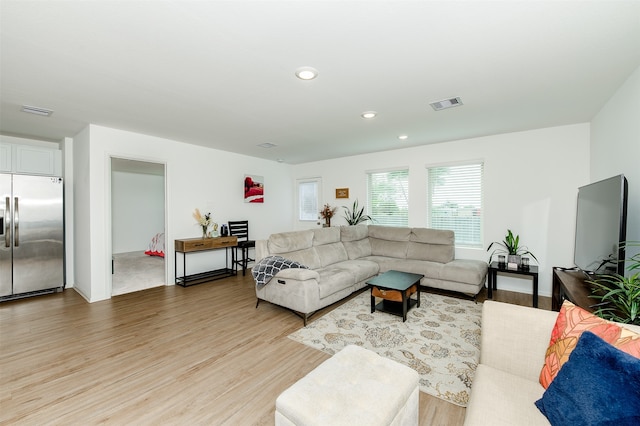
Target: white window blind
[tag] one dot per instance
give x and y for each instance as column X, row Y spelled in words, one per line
column 388, row 197
column 308, row 199
column 455, row 201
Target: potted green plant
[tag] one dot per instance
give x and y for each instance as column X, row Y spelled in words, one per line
column 355, row 215
column 511, row 247
column 619, row 295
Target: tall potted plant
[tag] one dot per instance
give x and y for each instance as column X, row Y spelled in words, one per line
column 355, row 215
column 511, row 247
column 619, row 295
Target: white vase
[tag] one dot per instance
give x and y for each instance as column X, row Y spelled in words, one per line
column 514, row 258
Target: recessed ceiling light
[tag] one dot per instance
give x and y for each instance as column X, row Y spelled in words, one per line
column 36, row 110
column 368, row 114
column 446, row 103
column 403, row 137
column 306, row 73
column 267, row 145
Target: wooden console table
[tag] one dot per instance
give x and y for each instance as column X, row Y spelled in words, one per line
column 193, row 245
column 571, row 285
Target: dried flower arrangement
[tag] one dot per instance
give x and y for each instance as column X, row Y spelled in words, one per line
column 327, row 213
column 203, row 221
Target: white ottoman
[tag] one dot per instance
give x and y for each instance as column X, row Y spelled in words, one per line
column 354, row 387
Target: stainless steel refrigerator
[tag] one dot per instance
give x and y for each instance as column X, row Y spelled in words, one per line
column 31, row 235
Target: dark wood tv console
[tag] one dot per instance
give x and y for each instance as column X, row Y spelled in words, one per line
column 571, row 285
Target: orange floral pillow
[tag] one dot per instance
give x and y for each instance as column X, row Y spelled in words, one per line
column 572, row 321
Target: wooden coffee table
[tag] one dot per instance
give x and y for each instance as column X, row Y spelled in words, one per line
column 395, row 289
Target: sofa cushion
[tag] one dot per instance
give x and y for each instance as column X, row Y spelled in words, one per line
column 499, row 398
column 287, row 242
column 358, row 248
column 299, row 274
column 432, row 236
column 353, row 232
column 388, row 248
column 331, row 253
column 598, row 385
column 465, row 271
column 326, row 235
column 389, row 233
column 308, row 257
column 571, row 322
column 455, row 286
column 333, row 279
column 360, row 269
column 431, row 252
column 412, row 266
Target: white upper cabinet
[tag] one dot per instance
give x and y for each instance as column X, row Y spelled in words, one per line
column 30, row 159
column 5, row 157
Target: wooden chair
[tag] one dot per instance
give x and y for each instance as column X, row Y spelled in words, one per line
column 240, row 229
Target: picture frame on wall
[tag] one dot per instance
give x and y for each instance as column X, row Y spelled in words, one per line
column 342, row 192
column 253, row 189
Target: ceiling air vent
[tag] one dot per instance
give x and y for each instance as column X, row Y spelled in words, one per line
column 267, row 145
column 36, row 110
column 447, row 103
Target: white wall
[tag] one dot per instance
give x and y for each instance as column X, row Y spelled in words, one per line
column 197, row 177
column 531, row 181
column 137, row 206
column 615, row 146
column 67, row 171
column 530, row 184
column 82, row 211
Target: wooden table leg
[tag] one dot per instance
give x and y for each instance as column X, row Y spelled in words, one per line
column 490, row 285
column 404, row 306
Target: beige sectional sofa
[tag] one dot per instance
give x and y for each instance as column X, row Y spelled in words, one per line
column 506, row 382
column 341, row 259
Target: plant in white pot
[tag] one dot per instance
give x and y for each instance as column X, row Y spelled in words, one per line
column 510, row 247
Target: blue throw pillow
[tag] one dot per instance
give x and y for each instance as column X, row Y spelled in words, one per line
column 599, row 385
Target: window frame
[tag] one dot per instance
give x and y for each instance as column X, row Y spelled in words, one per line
column 299, row 210
column 476, row 235
column 404, row 221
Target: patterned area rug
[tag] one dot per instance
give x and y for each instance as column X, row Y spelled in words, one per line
column 440, row 339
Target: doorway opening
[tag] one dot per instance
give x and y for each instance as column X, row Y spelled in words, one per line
column 137, row 225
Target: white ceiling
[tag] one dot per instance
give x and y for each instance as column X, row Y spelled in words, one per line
column 221, row 73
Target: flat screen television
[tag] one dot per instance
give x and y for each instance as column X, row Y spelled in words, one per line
column 601, row 226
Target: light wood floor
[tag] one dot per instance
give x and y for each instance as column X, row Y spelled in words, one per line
column 167, row 355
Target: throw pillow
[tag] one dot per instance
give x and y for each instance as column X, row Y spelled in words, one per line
column 268, row 267
column 599, row 385
column 572, row 321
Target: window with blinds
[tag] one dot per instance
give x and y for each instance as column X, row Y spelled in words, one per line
column 455, row 201
column 388, row 197
column 308, row 191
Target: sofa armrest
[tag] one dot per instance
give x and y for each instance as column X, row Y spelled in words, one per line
column 299, row 274
column 515, row 338
column 262, row 250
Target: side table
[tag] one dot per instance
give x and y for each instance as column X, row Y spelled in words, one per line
column 496, row 267
column 395, row 288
